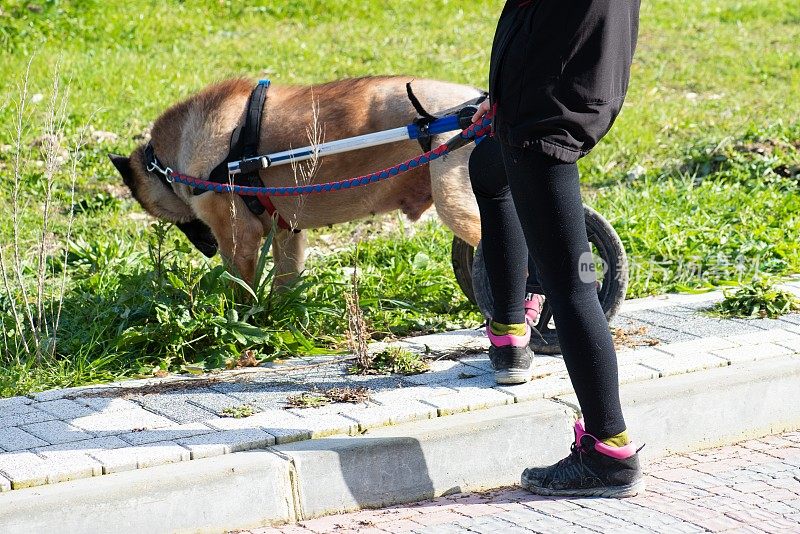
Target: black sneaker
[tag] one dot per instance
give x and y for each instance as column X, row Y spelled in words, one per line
column 511, row 357
column 593, row 469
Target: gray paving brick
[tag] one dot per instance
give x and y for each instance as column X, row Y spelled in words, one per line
column 481, row 361
column 55, row 394
column 226, row 441
column 636, row 373
column 696, row 346
column 465, row 402
column 547, row 387
column 71, row 461
column 267, row 398
column 129, row 458
column 314, row 375
column 761, row 324
column 665, row 335
column 107, row 404
column 87, row 446
column 24, row 469
column 322, row 423
column 793, row 345
column 376, row 383
column 66, row 464
column 444, row 370
column 16, row 408
column 211, row 401
column 16, row 439
column 14, row 402
column 629, row 356
column 396, row 397
column 169, row 433
column 292, row 425
column 55, row 432
column 749, row 353
column 793, row 318
column 64, row 409
column 662, row 320
column 675, row 365
column 377, row 415
column 447, row 342
column 286, row 427
column 121, row 422
column 25, row 417
column 470, row 394
column 174, row 407
column 776, row 335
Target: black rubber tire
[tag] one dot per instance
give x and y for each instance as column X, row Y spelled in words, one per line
column 470, row 273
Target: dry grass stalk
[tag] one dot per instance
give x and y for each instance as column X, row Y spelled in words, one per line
column 36, row 323
column 357, row 333
column 305, row 171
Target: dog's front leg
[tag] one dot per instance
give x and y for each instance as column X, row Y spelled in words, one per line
column 289, row 252
column 237, row 230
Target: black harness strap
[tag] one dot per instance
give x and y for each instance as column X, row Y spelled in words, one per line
column 243, row 146
column 425, row 140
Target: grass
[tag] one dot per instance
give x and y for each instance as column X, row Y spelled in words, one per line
column 699, row 175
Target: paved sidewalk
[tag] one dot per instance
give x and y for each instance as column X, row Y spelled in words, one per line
column 70, row 434
column 752, row 487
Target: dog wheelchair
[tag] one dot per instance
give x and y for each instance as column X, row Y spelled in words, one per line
column 610, row 266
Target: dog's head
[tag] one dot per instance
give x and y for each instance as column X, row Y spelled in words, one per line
column 159, row 200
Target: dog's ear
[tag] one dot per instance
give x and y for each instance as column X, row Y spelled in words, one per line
column 123, row 165
column 200, row 235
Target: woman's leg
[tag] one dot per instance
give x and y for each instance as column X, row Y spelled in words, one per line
column 506, row 260
column 546, row 193
column 502, row 240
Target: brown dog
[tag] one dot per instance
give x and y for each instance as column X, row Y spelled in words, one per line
column 194, row 136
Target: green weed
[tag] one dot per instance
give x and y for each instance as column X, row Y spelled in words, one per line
column 394, row 360
column 238, row 412
column 758, row 299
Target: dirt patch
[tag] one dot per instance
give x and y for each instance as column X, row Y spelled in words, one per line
column 632, row 337
column 317, row 398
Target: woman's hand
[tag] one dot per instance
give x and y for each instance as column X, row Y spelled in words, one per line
column 483, row 109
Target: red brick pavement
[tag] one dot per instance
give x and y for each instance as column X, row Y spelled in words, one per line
column 753, row 487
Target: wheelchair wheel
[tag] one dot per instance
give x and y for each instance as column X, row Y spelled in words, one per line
column 611, row 267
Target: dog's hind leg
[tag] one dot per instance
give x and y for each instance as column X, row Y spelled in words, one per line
column 289, row 252
column 237, row 231
column 453, row 197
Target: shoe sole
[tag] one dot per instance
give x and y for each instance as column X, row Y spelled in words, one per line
column 513, row 376
column 609, row 492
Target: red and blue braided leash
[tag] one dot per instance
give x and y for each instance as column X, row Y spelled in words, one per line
column 473, row 133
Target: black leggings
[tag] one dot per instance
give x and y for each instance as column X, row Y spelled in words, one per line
column 529, row 200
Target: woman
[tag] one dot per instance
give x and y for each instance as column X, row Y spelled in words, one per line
column 558, row 77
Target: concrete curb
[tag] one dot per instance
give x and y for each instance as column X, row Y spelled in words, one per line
column 209, row 495
column 408, row 462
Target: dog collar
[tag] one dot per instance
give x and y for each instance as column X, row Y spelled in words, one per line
column 154, row 165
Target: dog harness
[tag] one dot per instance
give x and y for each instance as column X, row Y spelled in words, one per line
column 238, row 173
column 244, row 145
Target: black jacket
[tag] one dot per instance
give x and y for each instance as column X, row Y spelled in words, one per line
column 559, row 72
